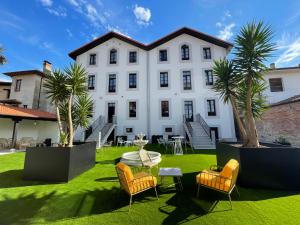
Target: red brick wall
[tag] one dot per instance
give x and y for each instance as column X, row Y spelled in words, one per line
column 281, row 121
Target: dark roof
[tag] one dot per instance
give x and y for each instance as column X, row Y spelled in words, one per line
column 22, row 113
column 25, row 72
column 293, row 99
column 10, row 101
column 5, row 83
column 184, row 30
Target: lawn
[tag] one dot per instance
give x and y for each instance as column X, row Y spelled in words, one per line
column 95, row 198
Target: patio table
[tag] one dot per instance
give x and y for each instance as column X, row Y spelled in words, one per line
column 171, row 172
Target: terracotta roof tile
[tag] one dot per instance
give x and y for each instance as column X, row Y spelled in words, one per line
column 11, row 111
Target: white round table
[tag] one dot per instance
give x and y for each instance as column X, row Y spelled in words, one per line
column 177, row 145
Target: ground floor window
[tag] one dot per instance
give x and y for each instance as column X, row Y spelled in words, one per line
column 132, row 109
column 165, row 109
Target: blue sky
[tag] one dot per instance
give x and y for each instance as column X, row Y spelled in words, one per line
column 34, row 30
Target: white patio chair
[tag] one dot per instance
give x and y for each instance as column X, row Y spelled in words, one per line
column 120, row 141
column 146, row 160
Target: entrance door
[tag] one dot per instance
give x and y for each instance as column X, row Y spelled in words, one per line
column 188, row 111
column 110, row 112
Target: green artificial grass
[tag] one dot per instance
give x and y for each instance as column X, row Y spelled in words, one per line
column 95, row 198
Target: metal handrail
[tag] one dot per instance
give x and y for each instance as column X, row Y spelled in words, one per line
column 204, row 125
column 99, row 122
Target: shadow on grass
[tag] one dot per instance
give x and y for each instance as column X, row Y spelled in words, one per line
column 29, row 208
column 108, row 179
column 169, row 150
column 14, row 178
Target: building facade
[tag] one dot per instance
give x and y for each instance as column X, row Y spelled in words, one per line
column 152, row 88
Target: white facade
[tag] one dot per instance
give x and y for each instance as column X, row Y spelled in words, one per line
column 148, row 94
column 290, row 80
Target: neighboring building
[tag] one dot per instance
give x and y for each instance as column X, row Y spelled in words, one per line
column 4, row 90
column 149, row 88
column 282, row 83
column 281, row 122
column 27, row 88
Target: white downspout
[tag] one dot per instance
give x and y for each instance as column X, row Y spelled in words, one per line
column 148, row 97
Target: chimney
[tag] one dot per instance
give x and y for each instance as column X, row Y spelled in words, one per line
column 272, row 66
column 47, row 67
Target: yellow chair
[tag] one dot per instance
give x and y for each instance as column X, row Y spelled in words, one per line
column 134, row 184
column 223, row 181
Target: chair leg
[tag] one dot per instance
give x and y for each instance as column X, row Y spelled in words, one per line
column 130, row 202
column 156, row 192
column 198, row 190
column 237, row 191
column 230, row 201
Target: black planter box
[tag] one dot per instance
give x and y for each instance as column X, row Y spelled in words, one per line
column 59, row 164
column 275, row 167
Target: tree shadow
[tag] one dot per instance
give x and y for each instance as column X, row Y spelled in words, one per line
column 22, row 209
column 14, row 178
column 107, row 179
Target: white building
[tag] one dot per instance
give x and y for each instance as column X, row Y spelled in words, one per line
column 282, row 83
column 149, row 88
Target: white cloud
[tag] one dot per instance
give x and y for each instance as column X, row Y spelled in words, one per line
column 117, row 30
column 142, row 15
column 74, row 3
column 57, row 12
column 226, row 33
column 46, row 3
column 219, row 24
column 93, row 15
column 290, row 49
column 227, row 14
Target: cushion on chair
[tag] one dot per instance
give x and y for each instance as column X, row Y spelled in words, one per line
column 211, row 179
column 142, row 183
column 126, row 170
column 230, row 166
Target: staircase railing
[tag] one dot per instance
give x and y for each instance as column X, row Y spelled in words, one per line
column 97, row 124
column 188, row 129
column 204, row 125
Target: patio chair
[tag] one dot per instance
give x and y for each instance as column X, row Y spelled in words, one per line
column 134, row 184
column 4, row 143
column 120, row 141
column 146, row 160
column 26, row 142
column 223, row 181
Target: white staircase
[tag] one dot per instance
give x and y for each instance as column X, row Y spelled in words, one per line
column 99, row 131
column 199, row 133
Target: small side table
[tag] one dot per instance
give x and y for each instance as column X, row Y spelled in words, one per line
column 171, row 172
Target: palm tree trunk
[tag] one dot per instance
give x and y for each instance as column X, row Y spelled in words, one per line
column 70, row 120
column 239, row 121
column 59, row 120
column 251, row 131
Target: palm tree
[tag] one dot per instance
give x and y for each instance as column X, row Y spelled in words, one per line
column 226, row 84
column 252, row 47
column 3, row 60
column 56, row 92
column 76, row 86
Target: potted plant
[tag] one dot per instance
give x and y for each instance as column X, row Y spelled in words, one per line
column 68, row 92
column 240, row 81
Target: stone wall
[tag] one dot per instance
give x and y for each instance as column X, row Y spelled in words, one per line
column 282, row 121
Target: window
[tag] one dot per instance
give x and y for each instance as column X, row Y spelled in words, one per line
column 187, row 81
column 132, row 80
column 93, row 58
column 211, row 107
column 188, row 111
column 112, row 83
column 91, row 82
column 113, row 56
column 129, row 129
column 132, row 109
column 209, row 77
column 18, row 85
column 163, row 55
column 164, row 108
column 206, row 53
column 132, row 57
column 164, row 82
column 275, row 84
column 25, row 106
column 168, row 130
column 185, row 52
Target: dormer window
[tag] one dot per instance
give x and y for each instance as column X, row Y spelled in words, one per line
column 185, row 52
column 206, row 53
column 113, row 56
column 93, row 58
